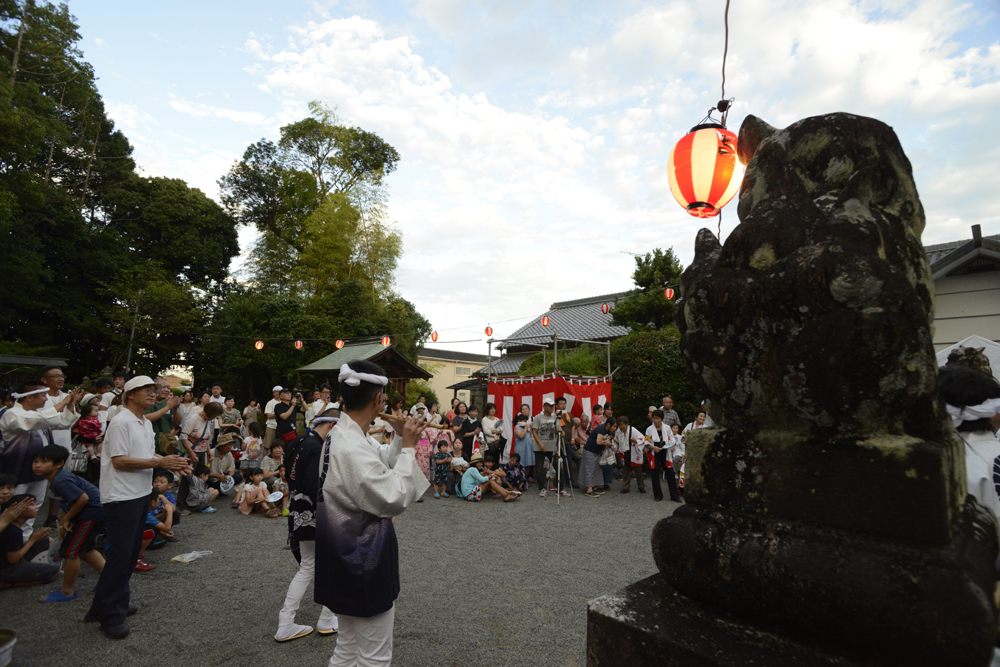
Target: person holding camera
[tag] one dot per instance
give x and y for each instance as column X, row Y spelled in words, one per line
column 285, row 414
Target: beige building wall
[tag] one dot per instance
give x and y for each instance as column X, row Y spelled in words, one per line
column 966, row 305
column 446, row 373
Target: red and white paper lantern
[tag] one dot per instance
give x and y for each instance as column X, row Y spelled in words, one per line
column 385, row 341
column 703, row 171
column 545, row 321
column 669, row 293
column 340, row 344
column 259, row 345
column 434, row 337
column 489, row 330
column 298, row 345
column 605, row 308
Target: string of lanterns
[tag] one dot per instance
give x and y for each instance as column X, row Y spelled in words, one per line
column 386, row 340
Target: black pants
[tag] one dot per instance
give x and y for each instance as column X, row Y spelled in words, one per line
column 126, row 521
column 661, row 464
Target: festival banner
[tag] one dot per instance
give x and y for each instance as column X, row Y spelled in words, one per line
column 581, row 393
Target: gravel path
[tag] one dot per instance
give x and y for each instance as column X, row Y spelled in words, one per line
column 487, row 583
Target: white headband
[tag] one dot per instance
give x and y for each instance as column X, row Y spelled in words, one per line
column 325, row 420
column 351, row 377
column 969, row 413
column 30, row 393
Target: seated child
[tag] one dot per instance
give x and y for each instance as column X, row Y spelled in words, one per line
column 16, row 554
column 253, row 449
column 497, row 475
column 163, row 481
column 474, row 482
column 254, row 496
column 200, row 497
column 223, row 465
column 515, row 481
column 274, row 473
column 442, row 459
column 160, row 506
column 82, row 518
column 458, row 466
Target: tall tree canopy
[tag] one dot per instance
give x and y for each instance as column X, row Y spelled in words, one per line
column 81, row 234
column 645, row 308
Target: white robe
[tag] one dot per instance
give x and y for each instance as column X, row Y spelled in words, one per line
column 364, row 485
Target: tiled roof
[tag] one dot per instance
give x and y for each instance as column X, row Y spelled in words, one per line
column 940, row 250
column 507, row 364
column 581, row 319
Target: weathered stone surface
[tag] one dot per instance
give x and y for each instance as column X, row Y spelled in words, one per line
column 881, row 601
column 830, row 506
column 648, row 623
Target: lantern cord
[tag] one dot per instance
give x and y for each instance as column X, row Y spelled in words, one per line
column 725, row 52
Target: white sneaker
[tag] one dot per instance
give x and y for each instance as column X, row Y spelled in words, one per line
column 541, row 494
column 287, row 633
column 565, row 494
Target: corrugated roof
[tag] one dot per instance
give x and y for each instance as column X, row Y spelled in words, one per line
column 581, row 319
column 361, row 351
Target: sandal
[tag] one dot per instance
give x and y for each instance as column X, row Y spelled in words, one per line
column 57, row 596
column 272, row 513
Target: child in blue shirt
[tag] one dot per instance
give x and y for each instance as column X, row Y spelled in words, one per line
column 82, row 518
column 163, row 481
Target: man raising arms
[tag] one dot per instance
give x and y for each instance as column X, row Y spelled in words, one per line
column 363, row 485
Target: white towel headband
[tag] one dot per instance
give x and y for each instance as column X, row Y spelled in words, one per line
column 351, row 377
column 30, row 393
column 969, row 413
column 325, row 420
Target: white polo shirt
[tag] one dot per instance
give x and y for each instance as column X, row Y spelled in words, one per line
column 60, row 434
column 127, row 435
column 271, row 423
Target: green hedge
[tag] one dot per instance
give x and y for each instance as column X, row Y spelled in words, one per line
column 583, row 360
column 650, row 367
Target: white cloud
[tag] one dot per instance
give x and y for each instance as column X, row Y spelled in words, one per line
column 533, row 192
column 199, row 110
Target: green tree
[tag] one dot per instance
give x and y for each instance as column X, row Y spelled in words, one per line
column 650, row 367
column 584, row 360
column 417, row 388
column 645, row 308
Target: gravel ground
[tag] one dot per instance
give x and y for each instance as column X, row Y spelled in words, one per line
column 488, row 583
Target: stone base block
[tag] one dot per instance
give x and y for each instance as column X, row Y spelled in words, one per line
column 648, row 623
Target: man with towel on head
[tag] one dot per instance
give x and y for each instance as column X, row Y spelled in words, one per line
column 363, row 486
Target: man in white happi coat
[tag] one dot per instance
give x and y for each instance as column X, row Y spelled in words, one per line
column 363, row 486
column 26, row 428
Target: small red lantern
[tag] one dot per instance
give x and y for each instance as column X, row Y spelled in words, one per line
column 259, row 345
column 298, row 345
column 669, row 293
column 545, row 321
column 385, row 341
column 340, row 344
column 434, row 336
column 605, row 308
column 703, row 171
column 489, row 330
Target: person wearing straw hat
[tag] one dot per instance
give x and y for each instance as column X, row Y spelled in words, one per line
column 363, row 486
column 302, row 463
column 474, row 482
column 128, row 457
column 26, row 428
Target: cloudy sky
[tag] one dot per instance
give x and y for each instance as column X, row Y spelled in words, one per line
column 534, row 135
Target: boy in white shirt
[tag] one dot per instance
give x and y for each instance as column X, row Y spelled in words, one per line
column 631, row 443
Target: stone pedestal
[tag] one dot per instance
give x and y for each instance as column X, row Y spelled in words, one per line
column 648, row 623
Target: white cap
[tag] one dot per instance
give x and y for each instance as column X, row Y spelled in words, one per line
column 139, row 381
column 276, row 387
